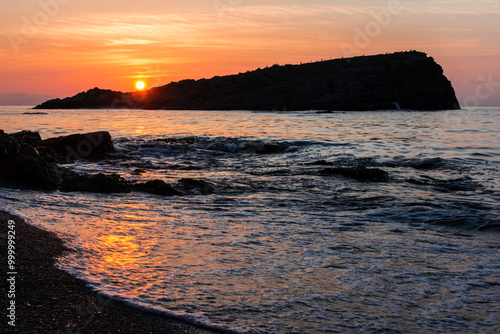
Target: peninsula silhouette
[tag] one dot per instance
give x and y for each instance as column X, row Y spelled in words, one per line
column 403, row 80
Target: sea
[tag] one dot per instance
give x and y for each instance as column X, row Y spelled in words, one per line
column 280, row 246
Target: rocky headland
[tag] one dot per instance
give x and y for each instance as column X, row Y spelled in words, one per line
column 404, row 80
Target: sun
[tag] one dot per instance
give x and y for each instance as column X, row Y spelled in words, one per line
column 140, row 85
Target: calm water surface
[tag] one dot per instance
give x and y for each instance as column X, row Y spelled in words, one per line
column 279, row 247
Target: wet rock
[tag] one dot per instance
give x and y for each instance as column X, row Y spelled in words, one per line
column 193, row 186
column 22, row 164
column 158, row 187
column 359, row 173
column 261, row 148
column 320, row 163
column 29, row 137
column 88, row 146
column 51, row 156
column 97, row 183
column 35, row 113
column 138, row 171
column 430, row 163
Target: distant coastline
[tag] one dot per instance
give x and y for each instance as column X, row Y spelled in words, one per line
column 403, row 80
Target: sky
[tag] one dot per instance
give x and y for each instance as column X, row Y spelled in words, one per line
column 58, row 48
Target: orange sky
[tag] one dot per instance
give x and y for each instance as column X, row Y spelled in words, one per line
column 62, row 47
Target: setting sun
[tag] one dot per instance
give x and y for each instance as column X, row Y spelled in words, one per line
column 140, row 85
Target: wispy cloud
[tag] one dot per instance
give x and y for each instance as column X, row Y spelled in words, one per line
column 128, row 41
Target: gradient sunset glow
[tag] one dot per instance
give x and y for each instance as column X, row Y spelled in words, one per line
column 61, row 47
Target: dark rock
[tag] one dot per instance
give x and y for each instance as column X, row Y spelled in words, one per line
column 29, row 137
column 359, row 173
column 261, row 148
column 406, row 80
column 194, row 186
column 22, row 164
column 93, row 98
column 320, row 163
column 158, row 187
column 98, row 183
column 89, row 146
column 138, row 171
column 49, row 155
column 430, row 163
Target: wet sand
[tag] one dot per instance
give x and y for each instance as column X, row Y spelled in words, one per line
column 49, row 300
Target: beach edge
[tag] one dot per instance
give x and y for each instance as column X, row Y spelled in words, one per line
column 49, row 299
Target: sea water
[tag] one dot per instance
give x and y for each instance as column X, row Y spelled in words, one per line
column 279, row 247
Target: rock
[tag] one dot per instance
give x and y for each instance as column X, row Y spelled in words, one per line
column 261, row 148
column 193, row 186
column 93, row 98
column 359, row 173
column 320, row 163
column 88, row 146
column 49, row 155
column 430, row 163
column 29, row 137
column 185, row 186
column 158, row 187
column 138, row 171
column 406, row 80
column 20, row 163
column 97, row 183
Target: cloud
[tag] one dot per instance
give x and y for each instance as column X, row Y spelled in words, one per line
column 198, row 41
column 128, row 41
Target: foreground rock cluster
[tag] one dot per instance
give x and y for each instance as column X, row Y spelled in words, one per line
column 20, row 161
column 27, row 160
column 406, row 80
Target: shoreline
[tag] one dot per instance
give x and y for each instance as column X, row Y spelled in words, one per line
column 48, row 299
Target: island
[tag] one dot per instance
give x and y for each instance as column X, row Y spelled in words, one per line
column 408, row 80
